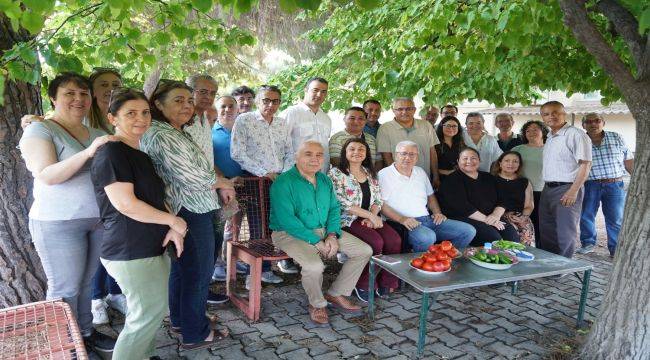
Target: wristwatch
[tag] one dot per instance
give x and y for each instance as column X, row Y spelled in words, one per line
column 333, row 234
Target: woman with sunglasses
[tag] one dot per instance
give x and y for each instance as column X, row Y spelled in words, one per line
column 190, row 184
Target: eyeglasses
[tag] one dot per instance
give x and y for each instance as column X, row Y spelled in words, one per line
column 205, row 92
column 407, row 154
column 267, row 101
column 404, row 109
column 450, row 126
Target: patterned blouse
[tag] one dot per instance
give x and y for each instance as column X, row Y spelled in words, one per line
column 348, row 192
column 183, row 166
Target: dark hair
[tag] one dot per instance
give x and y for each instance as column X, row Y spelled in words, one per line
column 457, row 142
column 371, row 101
column 495, row 169
column 344, row 164
column 64, row 78
column 120, row 96
column 160, row 93
column 449, row 105
column 355, row 108
column 241, row 90
column 467, row 148
column 97, row 119
column 528, row 123
column 269, row 88
column 315, row 78
column 552, row 102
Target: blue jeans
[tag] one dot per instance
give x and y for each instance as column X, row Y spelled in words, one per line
column 190, row 277
column 104, row 284
column 612, row 195
column 427, row 233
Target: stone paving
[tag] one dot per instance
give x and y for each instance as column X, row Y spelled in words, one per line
column 477, row 323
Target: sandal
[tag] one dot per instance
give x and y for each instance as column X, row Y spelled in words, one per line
column 217, row 335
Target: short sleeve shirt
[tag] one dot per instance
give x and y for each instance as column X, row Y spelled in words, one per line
column 73, row 198
column 421, row 133
column 125, row 238
column 609, row 157
column 487, row 147
column 408, row 195
column 532, row 164
column 562, row 153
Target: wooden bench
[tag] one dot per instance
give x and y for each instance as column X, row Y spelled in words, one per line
column 252, row 244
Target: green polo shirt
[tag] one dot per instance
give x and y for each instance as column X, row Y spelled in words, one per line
column 298, row 207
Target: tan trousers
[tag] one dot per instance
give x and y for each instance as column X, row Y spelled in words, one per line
column 309, row 259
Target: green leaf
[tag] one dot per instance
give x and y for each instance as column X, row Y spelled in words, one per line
column 39, row 6
column 202, row 5
column 32, row 22
column 367, row 4
column 65, row 42
column 288, row 5
column 644, row 21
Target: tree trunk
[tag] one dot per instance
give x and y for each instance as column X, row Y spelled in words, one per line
column 21, row 276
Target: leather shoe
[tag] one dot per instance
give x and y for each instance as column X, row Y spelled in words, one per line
column 343, row 304
column 319, row 316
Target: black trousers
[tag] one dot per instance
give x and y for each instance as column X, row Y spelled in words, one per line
column 486, row 233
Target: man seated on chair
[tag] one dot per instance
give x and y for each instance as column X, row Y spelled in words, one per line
column 306, row 224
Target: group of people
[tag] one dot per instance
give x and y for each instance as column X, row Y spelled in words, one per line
column 120, row 176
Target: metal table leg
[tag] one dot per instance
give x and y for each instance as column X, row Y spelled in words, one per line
column 371, row 289
column 424, row 311
column 583, row 297
column 515, row 287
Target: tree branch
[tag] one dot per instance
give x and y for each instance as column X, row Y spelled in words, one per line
column 628, row 27
column 576, row 19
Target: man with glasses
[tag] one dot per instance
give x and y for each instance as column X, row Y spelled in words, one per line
column 449, row 110
column 611, row 158
column 406, row 189
column 406, row 127
column 566, row 165
column 245, row 97
column 262, row 146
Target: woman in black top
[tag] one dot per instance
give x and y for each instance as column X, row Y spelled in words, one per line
column 470, row 196
column 516, row 195
column 450, row 135
column 137, row 225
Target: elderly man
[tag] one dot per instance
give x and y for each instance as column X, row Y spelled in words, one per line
column 430, row 114
column 476, row 137
column 372, row 108
column 506, row 138
column 355, row 121
column 566, row 165
column 611, row 158
column 406, row 127
column 245, row 97
column 406, row 189
column 306, row 224
column 261, row 145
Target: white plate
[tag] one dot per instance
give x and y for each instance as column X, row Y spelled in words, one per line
column 521, row 258
column 491, row 266
column 430, row 273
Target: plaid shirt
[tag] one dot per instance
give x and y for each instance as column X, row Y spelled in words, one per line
column 608, row 158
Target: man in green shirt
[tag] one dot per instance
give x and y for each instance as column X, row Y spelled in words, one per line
column 306, row 224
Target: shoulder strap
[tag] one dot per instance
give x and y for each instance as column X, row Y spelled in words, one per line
column 69, row 133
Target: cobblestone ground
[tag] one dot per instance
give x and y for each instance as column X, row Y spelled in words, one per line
column 478, row 323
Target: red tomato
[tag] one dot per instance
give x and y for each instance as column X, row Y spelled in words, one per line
column 438, row 266
column 433, row 248
column 429, row 257
column 428, row 266
column 447, row 264
column 417, row 263
column 446, row 245
column 452, row 253
column 441, row 255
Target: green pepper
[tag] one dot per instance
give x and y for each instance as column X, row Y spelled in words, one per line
column 481, row 256
column 504, row 259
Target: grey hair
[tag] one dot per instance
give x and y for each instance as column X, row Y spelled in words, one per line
column 506, row 115
column 405, row 143
column 402, row 99
column 191, row 80
column 309, row 142
column 475, row 114
column 226, row 97
column 592, row 115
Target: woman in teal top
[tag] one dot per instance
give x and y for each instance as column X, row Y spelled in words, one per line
column 190, row 184
column 534, row 134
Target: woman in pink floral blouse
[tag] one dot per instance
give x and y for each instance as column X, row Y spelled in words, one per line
column 357, row 189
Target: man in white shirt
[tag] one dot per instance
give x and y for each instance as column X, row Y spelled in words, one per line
column 306, row 119
column 566, row 165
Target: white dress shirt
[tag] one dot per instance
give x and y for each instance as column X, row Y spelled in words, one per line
column 305, row 125
column 563, row 151
column 487, row 147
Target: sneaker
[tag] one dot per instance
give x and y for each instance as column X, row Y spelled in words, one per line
column 288, row 267
column 341, row 258
column 242, row 268
column 586, row 249
column 214, row 298
column 98, row 308
column 382, row 292
column 271, row 278
column 219, row 273
column 361, row 294
column 117, row 302
column 99, row 342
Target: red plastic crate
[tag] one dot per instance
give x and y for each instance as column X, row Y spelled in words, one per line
column 41, row 330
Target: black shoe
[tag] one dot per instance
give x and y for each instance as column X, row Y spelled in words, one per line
column 361, row 294
column 214, row 298
column 99, row 342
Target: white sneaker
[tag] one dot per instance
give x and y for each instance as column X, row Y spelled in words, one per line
column 98, row 308
column 288, row 267
column 341, row 258
column 271, row 278
column 117, row 302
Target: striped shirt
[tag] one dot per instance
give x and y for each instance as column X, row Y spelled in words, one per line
column 609, row 157
column 337, row 140
column 562, row 153
column 183, row 166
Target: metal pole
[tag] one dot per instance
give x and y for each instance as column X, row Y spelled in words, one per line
column 424, row 310
column 583, row 297
column 371, row 289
